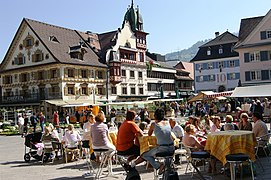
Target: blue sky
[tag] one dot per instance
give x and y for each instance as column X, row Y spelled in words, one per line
column 173, row 25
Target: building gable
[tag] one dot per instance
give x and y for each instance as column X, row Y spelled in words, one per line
column 26, row 50
column 260, row 31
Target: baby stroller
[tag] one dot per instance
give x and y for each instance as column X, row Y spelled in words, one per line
column 31, row 141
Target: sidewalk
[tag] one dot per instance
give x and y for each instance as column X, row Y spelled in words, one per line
column 12, row 166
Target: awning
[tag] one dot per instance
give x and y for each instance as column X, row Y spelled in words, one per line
column 73, row 103
column 201, row 96
column 252, row 91
column 221, row 94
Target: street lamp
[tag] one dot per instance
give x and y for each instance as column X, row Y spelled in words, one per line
column 93, row 88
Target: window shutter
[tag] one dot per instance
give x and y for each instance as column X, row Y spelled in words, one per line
column 80, row 73
column 228, row 77
column 197, row 67
column 65, row 72
column 237, row 75
column 205, row 66
column 236, row 63
column 28, row 76
column 263, row 35
column 65, row 91
column 23, row 59
column 36, row 75
column 264, row 55
column 205, row 78
column 226, row 64
column 58, row 73
column 16, row 61
column 265, row 74
column 33, row 58
column 247, row 76
column 215, row 65
column 246, row 56
column 197, row 79
column 45, row 74
column 75, row 71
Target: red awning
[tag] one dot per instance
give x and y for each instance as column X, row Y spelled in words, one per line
column 224, row 94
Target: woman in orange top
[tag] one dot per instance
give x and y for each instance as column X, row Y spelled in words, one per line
column 127, row 142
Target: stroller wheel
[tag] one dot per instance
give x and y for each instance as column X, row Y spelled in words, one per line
column 27, row 157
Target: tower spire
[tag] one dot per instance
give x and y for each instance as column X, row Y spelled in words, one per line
column 132, row 4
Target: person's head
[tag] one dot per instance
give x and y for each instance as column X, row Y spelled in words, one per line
column 195, row 121
column 256, row 116
column 143, row 126
column 207, row 119
column 148, row 120
column 70, row 127
column 159, row 114
column 190, row 129
column 100, row 118
column 130, row 115
column 172, row 122
column 228, row 127
column 229, row 119
column 91, row 118
column 238, row 109
column 51, row 126
column 47, row 130
column 244, row 116
column 190, row 119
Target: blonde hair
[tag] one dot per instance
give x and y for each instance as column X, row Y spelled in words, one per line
column 47, row 130
column 244, row 115
column 229, row 118
column 189, row 127
column 70, row 127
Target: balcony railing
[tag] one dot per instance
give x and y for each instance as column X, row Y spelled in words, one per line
column 30, row 98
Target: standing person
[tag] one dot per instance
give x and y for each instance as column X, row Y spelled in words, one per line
column 21, row 124
column 34, row 121
column 56, row 120
column 26, row 121
column 77, row 115
column 267, row 107
column 42, row 121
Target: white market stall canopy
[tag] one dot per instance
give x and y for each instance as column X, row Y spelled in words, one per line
column 73, row 103
column 252, row 91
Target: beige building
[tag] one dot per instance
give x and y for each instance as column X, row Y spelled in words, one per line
column 47, row 62
column 254, row 48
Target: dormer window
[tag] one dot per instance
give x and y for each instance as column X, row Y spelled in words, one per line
column 53, row 39
column 19, row 60
column 220, row 50
column 208, row 51
column 127, row 44
column 77, row 52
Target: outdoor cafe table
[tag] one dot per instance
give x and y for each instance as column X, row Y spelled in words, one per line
column 222, row 143
column 147, row 142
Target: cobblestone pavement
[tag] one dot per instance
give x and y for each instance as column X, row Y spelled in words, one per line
column 12, row 166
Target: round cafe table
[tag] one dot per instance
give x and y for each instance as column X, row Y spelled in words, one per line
column 222, row 143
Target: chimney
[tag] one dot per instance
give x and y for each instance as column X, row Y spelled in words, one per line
column 216, row 34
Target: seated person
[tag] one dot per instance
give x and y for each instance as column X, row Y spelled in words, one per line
column 100, row 136
column 260, row 129
column 196, row 123
column 190, row 120
column 71, row 137
column 190, row 140
column 229, row 123
column 47, row 139
column 179, row 133
column 162, row 131
column 244, row 124
column 217, row 124
column 127, row 141
column 207, row 124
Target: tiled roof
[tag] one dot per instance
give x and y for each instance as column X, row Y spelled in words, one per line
column 107, row 40
column 224, row 38
column 162, row 64
column 66, row 38
column 246, row 27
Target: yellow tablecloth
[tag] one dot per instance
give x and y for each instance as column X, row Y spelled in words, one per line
column 222, row 143
column 147, row 142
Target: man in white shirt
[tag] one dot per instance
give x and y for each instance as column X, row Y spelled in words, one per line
column 179, row 133
column 21, row 124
